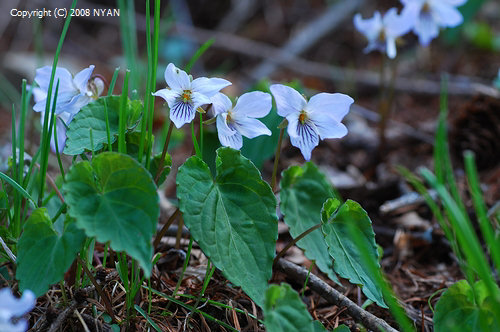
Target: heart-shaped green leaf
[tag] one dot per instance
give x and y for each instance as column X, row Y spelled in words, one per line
column 43, row 254
column 233, row 218
column 93, row 116
column 284, row 311
column 463, row 308
column 303, row 192
column 114, row 199
column 348, row 261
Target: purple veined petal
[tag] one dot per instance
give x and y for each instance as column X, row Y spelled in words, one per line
column 426, row 28
column 222, row 126
column 306, row 140
column 209, row 86
column 288, row 100
column 220, row 103
column 327, row 126
column 176, row 78
column 254, row 104
column 234, row 141
column 446, row 15
column 181, row 113
column 228, row 136
column 168, row 95
column 335, row 105
column 369, row 27
column 250, row 127
column 81, row 79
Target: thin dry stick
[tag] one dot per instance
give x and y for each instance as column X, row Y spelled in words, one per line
column 330, row 294
column 165, row 227
column 62, row 317
column 467, row 86
column 80, row 318
column 7, row 250
column 309, row 35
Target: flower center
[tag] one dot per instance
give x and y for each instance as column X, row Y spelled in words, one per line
column 229, row 119
column 302, row 117
column 426, row 8
column 381, row 35
column 186, row 96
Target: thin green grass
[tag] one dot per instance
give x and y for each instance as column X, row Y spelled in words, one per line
column 129, row 39
column 122, row 148
column 480, row 207
column 394, row 307
column 44, row 138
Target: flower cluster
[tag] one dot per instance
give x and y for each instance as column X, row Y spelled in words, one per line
column 11, row 307
column 308, row 122
column 423, row 17
column 73, row 94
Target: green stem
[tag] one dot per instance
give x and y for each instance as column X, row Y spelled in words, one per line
column 122, row 148
column 294, row 241
column 277, row 158
column 164, row 152
column 184, row 267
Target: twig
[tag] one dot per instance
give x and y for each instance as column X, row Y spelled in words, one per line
column 80, row 318
column 7, row 250
column 63, row 316
column 230, row 42
column 308, row 36
column 330, row 294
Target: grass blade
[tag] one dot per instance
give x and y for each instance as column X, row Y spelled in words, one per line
column 480, row 207
column 145, row 315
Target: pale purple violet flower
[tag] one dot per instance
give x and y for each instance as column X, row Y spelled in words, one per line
column 11, row 307
column 382, row 32
column 184, row 95
column 233, row 122
column 310, row 121
column 73, row 94
column 427, row 16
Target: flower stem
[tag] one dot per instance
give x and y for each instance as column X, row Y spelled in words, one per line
column 385, row 103
column 277, row 158
column 164, row 152
column 294, row 241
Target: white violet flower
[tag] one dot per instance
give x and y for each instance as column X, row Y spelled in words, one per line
column 11, row 307
column 427, row 16
column 184, row 95
column 310, row 121
column 382, row 32
column 73, row 94
column 233, row 122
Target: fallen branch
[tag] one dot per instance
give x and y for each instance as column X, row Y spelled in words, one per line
column 456, row 85
column 330, row 294
column 308, row 36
